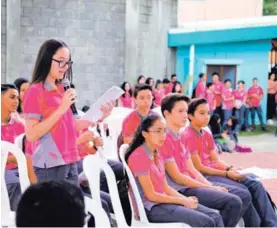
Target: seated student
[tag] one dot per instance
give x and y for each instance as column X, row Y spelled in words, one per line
column 229, row 132
column 162, row 203
column 177, row 87
column 158, row 93
column 167, row 86
column 51, row 204
column 205, row 159
column 143, row 99
column 126, row 100
column 183, row 177
column 10, row 129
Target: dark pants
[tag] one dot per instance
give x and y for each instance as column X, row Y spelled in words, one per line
column 271, row 106
column 171, row 213
column 240, row 114
column 260, row 200
column 227, row 114
column 258, row 110
column 13, row 187
column 229, row 205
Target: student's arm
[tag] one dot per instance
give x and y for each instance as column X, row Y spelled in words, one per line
column 173, row 171
column 198, row 176
column 154, row 196
column 31, row 174
column 220, row 163
column 11, row 159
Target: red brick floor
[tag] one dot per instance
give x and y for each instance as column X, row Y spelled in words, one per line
column 259, row 159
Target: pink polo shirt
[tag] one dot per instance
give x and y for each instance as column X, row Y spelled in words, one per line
column 226, row 94
column 211, row 100
column 131, row 123
column 142, row 162
column 158, row 95
column 199, row 143
column 200, row 89
column 127, row 101
column 58, row 146
column 254, row 101
column 218, row 86
column 174, row 150
column 240, row 94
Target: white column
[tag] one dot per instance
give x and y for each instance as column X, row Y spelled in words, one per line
column 191, row 68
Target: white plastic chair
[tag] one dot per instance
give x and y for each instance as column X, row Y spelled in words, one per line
column 92, row 166
column 100, row 217
column 142, row 215
column 8, row 216
column 18, row 141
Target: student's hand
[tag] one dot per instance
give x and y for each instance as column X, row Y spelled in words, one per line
column 235, row 175
column 190, row 202
column 220, row 189
column 86, row 137
column 83, row 124
column 106, row 109
column 97, row 141
column 68, row 99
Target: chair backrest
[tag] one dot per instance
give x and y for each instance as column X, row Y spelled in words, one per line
column 18, row 141
column 100, row 217
column 6, row 148
column 140, row 207
column 92, row 166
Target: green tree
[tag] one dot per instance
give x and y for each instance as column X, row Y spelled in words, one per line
column 270, row 7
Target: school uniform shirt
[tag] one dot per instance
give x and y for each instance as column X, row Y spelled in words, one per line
column 127, row 101
column 240, row 95
column 218, row 86
column 131, row 123
column 142, row 162
column 254, row 101
column 158, row 96
column 9, row 131
column 174, row 150
column 226, row 94
column 58, row 146
column 199, row 143
column 211, row 100
column 200, row 89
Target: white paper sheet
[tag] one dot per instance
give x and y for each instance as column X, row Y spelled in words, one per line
column 94, row 113
column 261, row 173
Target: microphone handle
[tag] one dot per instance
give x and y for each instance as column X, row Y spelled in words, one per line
column 73, row 107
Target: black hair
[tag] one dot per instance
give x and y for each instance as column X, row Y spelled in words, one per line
column 139, row 139
column 174, row 86
column 214, row 125
column 169, row 101
column 148, row 80
column 44, row 60
column 195, row 103
column 18, row 83
column 201, row 75
column 215, row 73
column 227, row 80
column 51, row 204
column 6, row 87
column 158, row 82
column 241, row 81
column 234, row 122
column 140, row 87
column 272, row 73
column 166, row 81
column 255, row 79
column 123, row 88
column 173, row 75
column 140, row 77
column 85, row 108
column 209, row 84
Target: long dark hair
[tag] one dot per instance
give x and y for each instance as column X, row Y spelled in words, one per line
column 140, row 77
column 123, row 88
column 44, row 60
column 139, row 139
column 174, row 86
column 148, row 80
column 18, row 83
column 214, row 125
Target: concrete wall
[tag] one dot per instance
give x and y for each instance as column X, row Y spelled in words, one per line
column 251, row 59
column 107, row 42
column 3, row 40
column 196, row 10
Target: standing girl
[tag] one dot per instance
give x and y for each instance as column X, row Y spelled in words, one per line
column 48, row 116
column 162, row 203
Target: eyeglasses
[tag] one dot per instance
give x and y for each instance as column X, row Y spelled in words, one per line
column 159, row 131
column 62, row 63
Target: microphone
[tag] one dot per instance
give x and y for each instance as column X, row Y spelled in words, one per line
column 66, row 86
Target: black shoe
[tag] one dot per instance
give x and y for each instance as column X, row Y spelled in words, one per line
column 264, row 129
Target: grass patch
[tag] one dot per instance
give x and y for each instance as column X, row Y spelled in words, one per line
column 258, row 131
